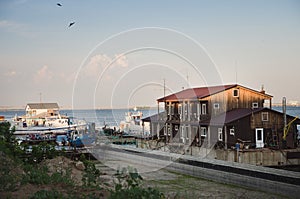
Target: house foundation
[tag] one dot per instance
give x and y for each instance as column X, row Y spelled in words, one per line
column 259, row 157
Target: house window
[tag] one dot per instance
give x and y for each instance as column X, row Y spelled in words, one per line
column 255, row 105
column 179, row 109
column 172, row 109
column 231, row 131
column 198, row 109
column 203, row 131
column 235, row 93
column 265, row 116
column 220, row 134
column 165, row 130
column 216, row 105
column 169, row 108
column 187, row 130
column 203, row 109
column 176, row 127
column 182, row 133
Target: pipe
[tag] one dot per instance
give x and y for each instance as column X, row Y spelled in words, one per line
column 284, row 112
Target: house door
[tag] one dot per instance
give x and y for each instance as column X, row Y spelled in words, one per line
column 298, row 134
column 259, row 137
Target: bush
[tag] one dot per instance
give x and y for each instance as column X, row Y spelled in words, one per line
column 40, row 152
column 7, row 140
column 128, row 185
column 39, row 175
column 35, row 175
column 59, row 178
column 10, row 173
column 45, row 194
column 137, row 193
column 92, row 174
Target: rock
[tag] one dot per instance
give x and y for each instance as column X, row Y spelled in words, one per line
column 80, row 166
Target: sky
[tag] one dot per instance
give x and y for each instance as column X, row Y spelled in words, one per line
column 130, row 53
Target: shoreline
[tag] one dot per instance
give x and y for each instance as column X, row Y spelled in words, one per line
column 62, row 108
column 3, row 109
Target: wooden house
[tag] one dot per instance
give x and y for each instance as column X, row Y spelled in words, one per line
column 190, row 116
column 253, row 128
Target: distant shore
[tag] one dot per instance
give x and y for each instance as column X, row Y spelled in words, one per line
column 20, row 108
column 139, row 108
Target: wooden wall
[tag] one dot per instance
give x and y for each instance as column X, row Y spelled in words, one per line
column 228, row 102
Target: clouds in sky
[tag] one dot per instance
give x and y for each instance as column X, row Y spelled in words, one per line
column 14, row 27
column 10, row 73
column 10, row 26
column 121, row 60
column 95, row 64
column 3, row 23
column 43, row 75
column 249, row 42
column 98, row 63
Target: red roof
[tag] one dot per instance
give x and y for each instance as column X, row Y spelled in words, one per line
column 198, row 93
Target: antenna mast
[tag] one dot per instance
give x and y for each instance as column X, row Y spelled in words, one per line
column 187, row 79
column 164, row 87
column 40, row 97
column 236, row 79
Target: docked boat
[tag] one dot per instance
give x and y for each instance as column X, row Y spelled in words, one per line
column 37, row 138
column 44, row 117
column 42, row 122
column 82, row 140
column 133, row 125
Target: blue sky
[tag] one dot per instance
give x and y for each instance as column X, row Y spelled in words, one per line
column 92, row 64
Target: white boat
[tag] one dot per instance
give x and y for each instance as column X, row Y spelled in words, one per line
column 44, row 117
column 133, row 125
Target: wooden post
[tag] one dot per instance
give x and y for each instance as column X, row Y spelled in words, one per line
column 158, row 122
column 199, row 135
column 225, row 136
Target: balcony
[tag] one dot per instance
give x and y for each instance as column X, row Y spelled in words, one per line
column 193, row 118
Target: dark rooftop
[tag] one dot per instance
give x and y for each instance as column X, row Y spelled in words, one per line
column 234, row 115
column 43, row 105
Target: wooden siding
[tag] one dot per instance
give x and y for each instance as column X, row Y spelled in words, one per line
column 216, row 104
column 187, row 112
column 275, row 125
column 228, row 102
column 245, row 129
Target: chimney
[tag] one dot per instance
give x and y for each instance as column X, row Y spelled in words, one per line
column 262, row 89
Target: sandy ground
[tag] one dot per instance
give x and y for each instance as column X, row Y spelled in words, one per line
column 175, row 185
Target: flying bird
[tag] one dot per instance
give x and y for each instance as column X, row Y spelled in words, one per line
column 71, row 24
column 58, row 4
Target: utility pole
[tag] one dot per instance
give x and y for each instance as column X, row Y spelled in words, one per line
column 284, row 120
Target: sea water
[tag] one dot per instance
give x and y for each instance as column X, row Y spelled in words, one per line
column 101, row 117
column 113, row 117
